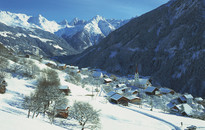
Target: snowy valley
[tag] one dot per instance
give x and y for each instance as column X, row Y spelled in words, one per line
column 87, row 85
column 143, row 73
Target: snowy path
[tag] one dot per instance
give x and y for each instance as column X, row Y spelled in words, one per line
column 172, row 126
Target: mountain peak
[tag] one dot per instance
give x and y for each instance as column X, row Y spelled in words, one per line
column 77, row 21
column 98, row 18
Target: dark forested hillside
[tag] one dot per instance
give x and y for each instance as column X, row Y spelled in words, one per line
column 167, row 43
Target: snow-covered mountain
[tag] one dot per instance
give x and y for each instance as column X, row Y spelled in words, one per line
column 82, row 34
column 167, row 43
column 25, row 21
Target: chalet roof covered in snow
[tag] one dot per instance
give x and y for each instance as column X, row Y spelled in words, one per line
column 150, row 89
column 84, row 69
column 121, row 85
column 111, row 93
column 199, row 99
column 72, row 67
column 182, row 98
column 63, row 87
column 187, row 109
column 170, row 105
column 119, row 90
column 61, row 64
column 200, row 106
column 108, row 80
column 132, row 97
column 188, row 96
column 116, row 97
column 48, row 61
column 143, row 81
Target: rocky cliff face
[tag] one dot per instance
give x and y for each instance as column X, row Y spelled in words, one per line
column 167, row 43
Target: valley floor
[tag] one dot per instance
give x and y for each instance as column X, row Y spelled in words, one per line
column 13, row 116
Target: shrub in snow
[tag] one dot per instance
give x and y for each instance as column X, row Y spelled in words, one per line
column 85, row 115
column 74, row 77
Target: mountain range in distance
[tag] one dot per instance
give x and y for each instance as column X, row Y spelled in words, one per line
column 79, row 34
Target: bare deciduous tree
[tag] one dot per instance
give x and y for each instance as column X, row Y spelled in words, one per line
column 85, row 115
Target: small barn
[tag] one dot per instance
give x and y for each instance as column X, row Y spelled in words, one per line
column 119, row 99
column 3, row 85
column 65, row 89
column 166, row 91
column 62, row 66
column 198, row 100
column 151, row 90
column 107, row 80
column 62, row 113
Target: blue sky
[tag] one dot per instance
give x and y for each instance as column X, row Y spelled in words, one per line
column 83, row 9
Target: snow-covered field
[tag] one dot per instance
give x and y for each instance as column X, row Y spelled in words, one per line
column 13, row 117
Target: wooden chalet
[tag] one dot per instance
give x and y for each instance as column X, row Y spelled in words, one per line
column 133, row 99
column 62, row 66
column 62, row 113
column 119, row 99
column 186, row 98
column 151, row 90
column 65, row 89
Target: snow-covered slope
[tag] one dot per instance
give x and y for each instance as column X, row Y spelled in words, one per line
column 14, row 19
column 35, row 41
column 43, row 23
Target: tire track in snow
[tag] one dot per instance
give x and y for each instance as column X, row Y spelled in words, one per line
column 174, row 127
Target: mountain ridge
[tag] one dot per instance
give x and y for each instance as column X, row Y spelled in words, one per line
column 167, row 43
column 80, row 34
